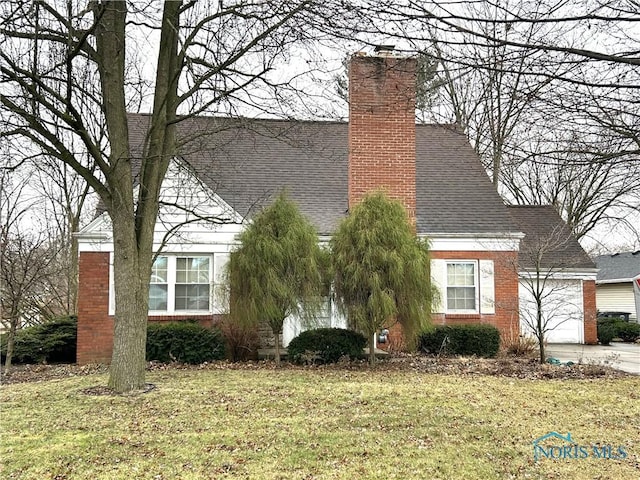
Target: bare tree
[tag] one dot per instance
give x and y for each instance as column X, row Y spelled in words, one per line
column 66, row 70
column 25, row 263
column 550, row 265
column 25, row 271
column 62, row 197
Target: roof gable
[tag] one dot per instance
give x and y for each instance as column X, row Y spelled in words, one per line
column 189, row 210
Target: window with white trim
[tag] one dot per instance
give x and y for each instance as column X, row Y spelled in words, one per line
column 462, row 286
column 181, row 284
column 193, row 289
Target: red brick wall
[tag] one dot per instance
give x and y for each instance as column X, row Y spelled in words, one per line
column 589, row 305
column 95, row 325
column 506, row 317
column 382, row 131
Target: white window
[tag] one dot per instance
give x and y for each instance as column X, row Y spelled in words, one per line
column 193, row 286
column 181, row 284
column 462, row 286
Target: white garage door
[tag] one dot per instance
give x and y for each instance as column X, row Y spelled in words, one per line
column 562, row 310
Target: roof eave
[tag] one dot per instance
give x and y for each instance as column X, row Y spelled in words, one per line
column 474, row 235
column 614, row 280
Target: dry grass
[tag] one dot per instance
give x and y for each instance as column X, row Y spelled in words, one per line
column 315, row 424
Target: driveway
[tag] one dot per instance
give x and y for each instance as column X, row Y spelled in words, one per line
column 621, row 356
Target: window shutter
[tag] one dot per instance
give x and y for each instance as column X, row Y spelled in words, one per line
column 439, row 279
column 487, row 288
column 220, row 302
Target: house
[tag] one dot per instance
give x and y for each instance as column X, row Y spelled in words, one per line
column 554, row 268
column 228, row 168
column 614, row 284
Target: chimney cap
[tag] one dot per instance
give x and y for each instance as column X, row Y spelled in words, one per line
column 384, row 48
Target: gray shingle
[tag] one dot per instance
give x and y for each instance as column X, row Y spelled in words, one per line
column 247, row 162
column 548, row 235
column 454, row 193
column 619, row 266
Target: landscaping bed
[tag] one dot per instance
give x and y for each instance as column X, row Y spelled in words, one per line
column 514, row 367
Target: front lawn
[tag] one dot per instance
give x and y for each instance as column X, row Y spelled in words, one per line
column 297, row 423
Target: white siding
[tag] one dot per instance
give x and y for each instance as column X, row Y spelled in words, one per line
column 615, row 297
column 329, row 317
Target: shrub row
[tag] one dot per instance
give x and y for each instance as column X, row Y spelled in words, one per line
column 326, row 345
column 189, row 342
column 55, row 342
column 610, row 328
column 480, row 340
column 51, row 342
column 184, row 342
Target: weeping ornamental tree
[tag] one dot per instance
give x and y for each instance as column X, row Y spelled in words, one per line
column 277, row 271
column 381, row 270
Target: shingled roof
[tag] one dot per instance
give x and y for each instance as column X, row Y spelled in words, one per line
column 619, row 267
column 247, row 162
column 547, row 235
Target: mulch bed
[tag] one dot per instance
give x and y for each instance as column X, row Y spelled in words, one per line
column 512, row 367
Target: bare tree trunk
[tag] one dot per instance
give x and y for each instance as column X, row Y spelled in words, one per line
column 372, row 350
column 540, row 331
column 11, row 339
column 132, row 270
column 72, row 282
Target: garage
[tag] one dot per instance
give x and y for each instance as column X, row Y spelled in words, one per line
column 562, row 309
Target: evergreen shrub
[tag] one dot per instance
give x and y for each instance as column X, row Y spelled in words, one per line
column 184, row 342
column 326, row 345
column 475, row 339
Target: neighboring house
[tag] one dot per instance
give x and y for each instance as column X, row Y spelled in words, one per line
column 229, row 168
column 614, row 285
column 554, row 269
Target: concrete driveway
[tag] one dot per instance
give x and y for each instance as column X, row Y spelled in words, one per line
column 621, row 356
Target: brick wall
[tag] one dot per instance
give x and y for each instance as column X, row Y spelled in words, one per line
column 382, row 131
column 95, row 325
column 506, row 317
column 589, row 305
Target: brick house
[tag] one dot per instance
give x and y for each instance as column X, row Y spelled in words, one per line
column 227, row 168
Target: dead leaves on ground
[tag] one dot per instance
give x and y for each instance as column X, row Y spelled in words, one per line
column 512, row 367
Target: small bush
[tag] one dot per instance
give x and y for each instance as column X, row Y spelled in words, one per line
column 606, row 332
column 476, row 339
column 241, row 341
column 627, row 331
column 522, row 346
column 185, row 342
column 51, row 342
column 326, row 345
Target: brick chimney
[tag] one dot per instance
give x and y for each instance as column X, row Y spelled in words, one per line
column 382, row 128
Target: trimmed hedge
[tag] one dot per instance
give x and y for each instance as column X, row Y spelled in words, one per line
column 628, row 331
column 51, row 342
column 475, row 339
column 610, row 328
column 184, row 342
column 326, row 345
